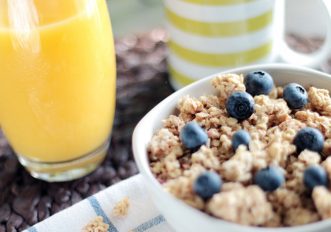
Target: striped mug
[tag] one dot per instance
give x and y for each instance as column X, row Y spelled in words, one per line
column 208, row 36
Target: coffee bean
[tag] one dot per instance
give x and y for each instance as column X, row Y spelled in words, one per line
column 44, row 207
column 75, row 197
column 109, row 173
column 15, row 189
column 28, row 179
column 23, row 226
column 96, row 175
column 83, row 187
column 62, row 195
column 4, row 212
column 14, row 221
column 122, row 172
column 11, row 164
column 119, row 154
column 2, row 228
column 25, row 203
column 8, row 173
column 59, row 207
column 31, row 218
column 133, row 60
column 12, row 229
column 115, row 180
column 94, row 189
column 131, row 168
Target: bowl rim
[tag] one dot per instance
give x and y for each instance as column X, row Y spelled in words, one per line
column 140, row 154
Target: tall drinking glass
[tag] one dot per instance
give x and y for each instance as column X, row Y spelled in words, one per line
column 57, row 84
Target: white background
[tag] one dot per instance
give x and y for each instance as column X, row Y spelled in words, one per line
column 304, row 17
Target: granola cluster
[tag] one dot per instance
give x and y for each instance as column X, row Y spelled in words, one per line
column 272, row 128
column 96, row 225
column 121, row 208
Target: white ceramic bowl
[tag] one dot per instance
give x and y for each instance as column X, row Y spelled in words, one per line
column 181, row 216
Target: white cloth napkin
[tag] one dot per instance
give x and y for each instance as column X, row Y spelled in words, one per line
column 142, row 214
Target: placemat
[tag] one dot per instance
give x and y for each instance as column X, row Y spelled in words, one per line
column 142, row 82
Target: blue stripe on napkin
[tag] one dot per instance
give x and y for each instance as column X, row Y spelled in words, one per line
column 32, row 229
column 149, row 224
column 99, row 211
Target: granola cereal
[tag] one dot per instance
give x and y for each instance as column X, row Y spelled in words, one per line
column 96, row 225
column 272, row 127
column 322, row 199
column 244, row 205
column 121, row 208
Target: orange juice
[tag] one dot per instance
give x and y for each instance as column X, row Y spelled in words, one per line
column 57, row 77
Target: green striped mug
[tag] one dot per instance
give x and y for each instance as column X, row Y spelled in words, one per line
column 209, row 36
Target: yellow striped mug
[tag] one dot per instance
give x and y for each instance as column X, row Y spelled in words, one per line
column 208, row 36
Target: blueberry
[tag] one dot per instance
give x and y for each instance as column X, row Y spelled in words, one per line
column 193, row 136
column 240, row 105
column 315, row 176
column 258, row 82
column 270, row 178
column 295, row 96
column 207, row 184
column 310, row 139
column 241, row 137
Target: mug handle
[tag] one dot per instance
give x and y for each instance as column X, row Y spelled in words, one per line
column 314, row 59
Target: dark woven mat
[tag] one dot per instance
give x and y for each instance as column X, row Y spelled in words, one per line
column 142, row 82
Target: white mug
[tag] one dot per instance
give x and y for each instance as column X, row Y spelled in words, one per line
column 209, row 36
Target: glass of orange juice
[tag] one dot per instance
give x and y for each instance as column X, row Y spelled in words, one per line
column 57, row 84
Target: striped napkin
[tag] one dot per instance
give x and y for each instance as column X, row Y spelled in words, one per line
column 141, row 216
